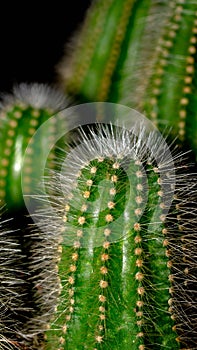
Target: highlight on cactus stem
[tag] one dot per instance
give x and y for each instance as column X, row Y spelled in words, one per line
column 21, row 114
column 141, row 54
column 123, row 220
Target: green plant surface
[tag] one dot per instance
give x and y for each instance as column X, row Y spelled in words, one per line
column 122, row 281
column 21, row 115
column 112, row 262
column 143, row 56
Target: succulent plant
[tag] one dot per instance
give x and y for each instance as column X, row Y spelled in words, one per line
column 21, row 115
column 126, row 255
column 141, row 54
column 111, row 261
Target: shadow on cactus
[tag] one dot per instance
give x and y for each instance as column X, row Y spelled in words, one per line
column 123, row 217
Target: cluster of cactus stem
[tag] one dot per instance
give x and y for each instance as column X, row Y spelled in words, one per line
column 112, row 264
column 141, row 54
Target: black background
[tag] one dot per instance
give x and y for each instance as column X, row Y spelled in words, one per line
column 33, row 37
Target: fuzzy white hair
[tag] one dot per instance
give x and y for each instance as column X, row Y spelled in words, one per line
column 37, row 95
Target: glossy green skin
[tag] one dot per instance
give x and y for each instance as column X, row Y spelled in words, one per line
column 114, row 295
column 18, row 125
column 149, row 67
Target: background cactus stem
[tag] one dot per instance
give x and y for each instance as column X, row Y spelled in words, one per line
column 143, row 56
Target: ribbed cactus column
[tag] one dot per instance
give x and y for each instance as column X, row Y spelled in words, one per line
column 118, row 278
column 143, row 55
column 100, row 51
column 171, row 92
column 22, row 114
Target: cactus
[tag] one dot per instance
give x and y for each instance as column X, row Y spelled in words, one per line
column 141, row 54
column 114, row 264
column 21, row 115
column 125, row 261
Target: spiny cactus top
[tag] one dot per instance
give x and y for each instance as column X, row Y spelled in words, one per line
column 124, row 258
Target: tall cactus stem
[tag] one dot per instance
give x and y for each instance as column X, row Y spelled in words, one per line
column 119, row 274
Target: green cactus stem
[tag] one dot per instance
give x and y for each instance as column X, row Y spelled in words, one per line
column 21, row 115
column 172, row 86
column 120, row 277
column 143, row 55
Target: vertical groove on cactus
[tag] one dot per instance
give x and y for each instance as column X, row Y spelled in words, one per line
column 129, row 85
column 81, row 63
column 124, row 11
column 122, row 282
column 102, row 53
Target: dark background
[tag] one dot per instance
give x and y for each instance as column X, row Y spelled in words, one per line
column 33, row 37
